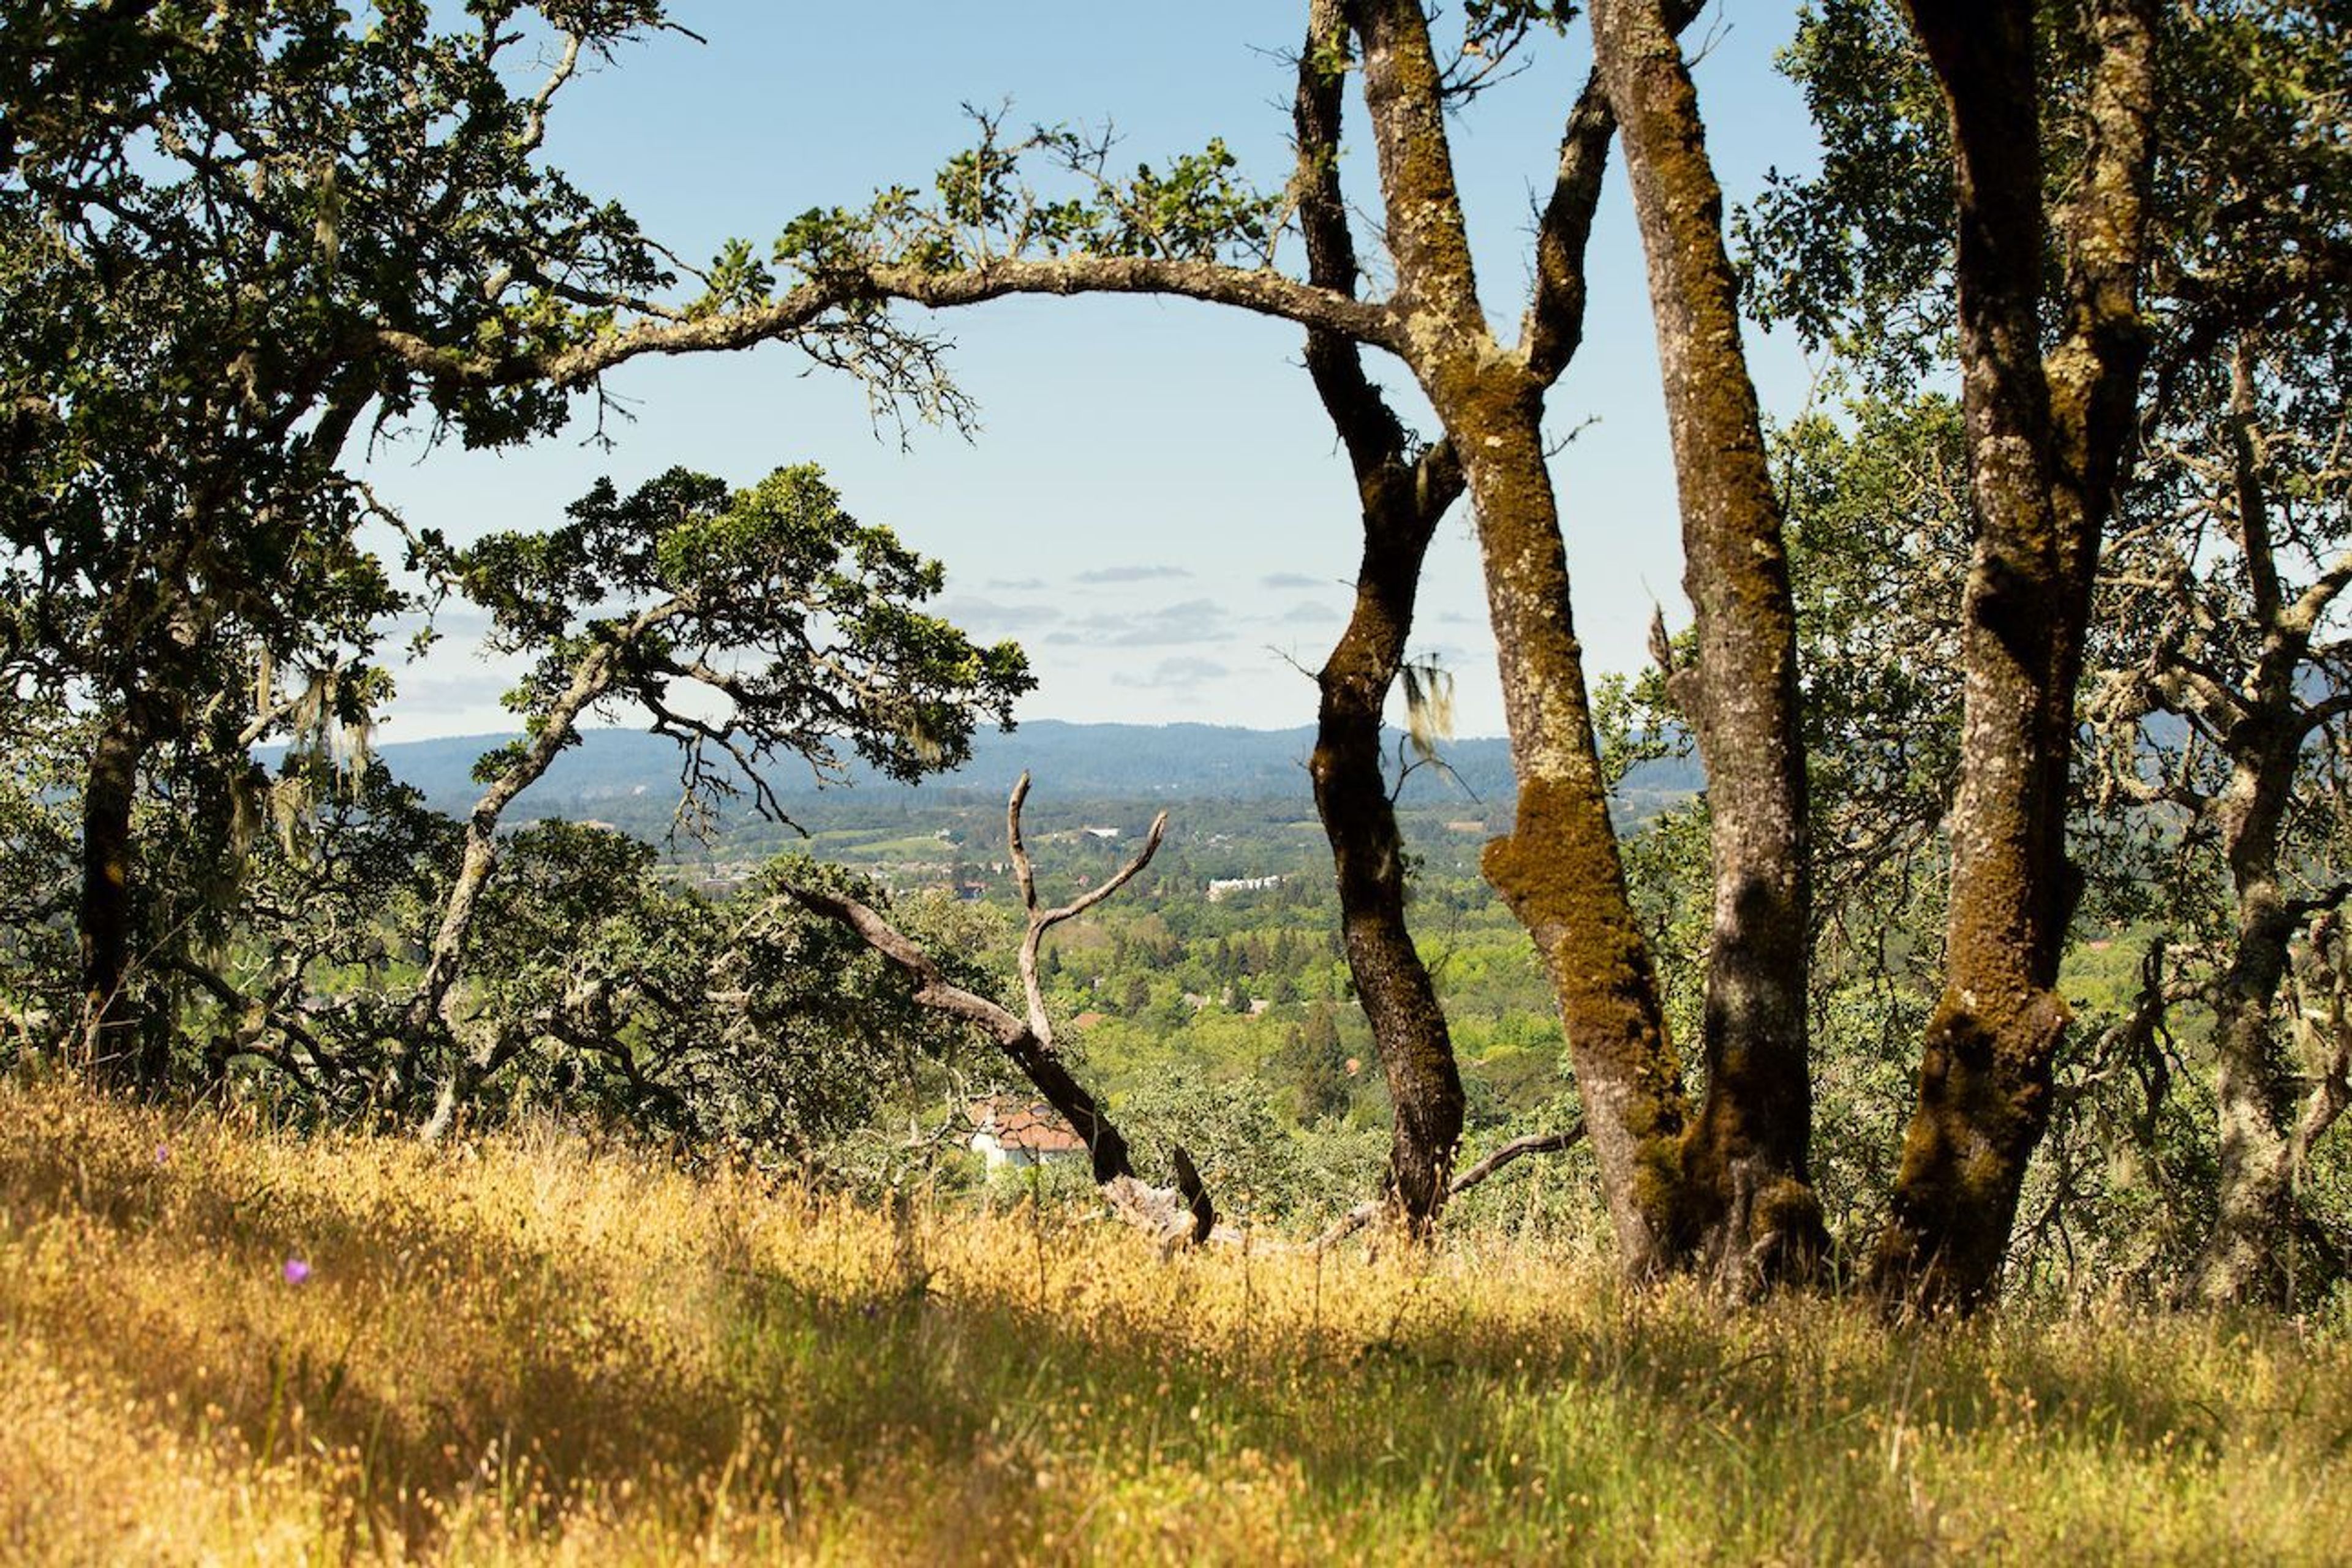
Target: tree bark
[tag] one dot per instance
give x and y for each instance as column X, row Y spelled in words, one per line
column 2253, row 1223
column 1399, row 1000
column 2045, row 444
column 1745, row 1161
column 114, row 1042
column 1402, row 502
column 2264, row 726
column 1559, row 869
column 2322, row 1024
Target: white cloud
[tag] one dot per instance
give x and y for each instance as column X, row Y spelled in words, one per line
column 1192, row 621
column 1130, row 574
column 1176, row 674
column 994, row 614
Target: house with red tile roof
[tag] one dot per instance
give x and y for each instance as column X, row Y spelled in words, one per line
column 1010, row 1132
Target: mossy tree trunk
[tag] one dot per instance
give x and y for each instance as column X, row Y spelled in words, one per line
column 2264, row 724
column 1558, row 868
column 1399, row 1001
column 2254, row 1219
column 1746, row 1162
column 1401, row 498
column 2046, row 440
column 2323, row 1026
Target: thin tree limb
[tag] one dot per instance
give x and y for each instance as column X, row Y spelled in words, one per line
column 1362, row 1215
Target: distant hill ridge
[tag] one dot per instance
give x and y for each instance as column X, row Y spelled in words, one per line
column 1127, row 761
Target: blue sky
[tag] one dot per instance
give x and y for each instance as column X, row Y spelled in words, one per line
column 1154, row 505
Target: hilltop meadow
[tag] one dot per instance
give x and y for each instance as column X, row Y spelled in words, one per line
column 1859, row 1071
column 228, row 1344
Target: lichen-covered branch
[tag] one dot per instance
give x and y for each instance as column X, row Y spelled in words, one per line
column 845, row 303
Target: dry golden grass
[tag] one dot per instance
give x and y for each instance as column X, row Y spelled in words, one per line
column 530, row 1352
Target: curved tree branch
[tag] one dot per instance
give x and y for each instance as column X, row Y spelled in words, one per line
column 806, row 308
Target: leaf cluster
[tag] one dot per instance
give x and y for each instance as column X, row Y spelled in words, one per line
column 802, row 626
column 1054, row 191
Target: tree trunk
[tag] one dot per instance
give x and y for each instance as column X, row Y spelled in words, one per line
column 2256, row 1218
column 1745, row 1161
column 2044, row 450
column 1985, row 1067
column 433, row 1007
column 2254, row 1226
column 2248, row 1256
column 1368, row 853
column 113, row 1042
column 2321, row 1027
column 1559, row 869
column 1402, row 502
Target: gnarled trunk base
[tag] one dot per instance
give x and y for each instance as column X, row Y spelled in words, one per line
column 1983, row 1105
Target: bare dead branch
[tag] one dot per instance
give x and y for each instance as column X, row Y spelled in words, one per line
column 1042, row 921
column 1178, row 1215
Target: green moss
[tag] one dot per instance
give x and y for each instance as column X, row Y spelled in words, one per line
column 1561, row 876
column 1659, row 1185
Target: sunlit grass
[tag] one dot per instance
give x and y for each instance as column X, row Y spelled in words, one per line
column 530, row 1349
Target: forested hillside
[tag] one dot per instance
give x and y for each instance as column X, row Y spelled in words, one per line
column 1118, row 762
column 1131, row 762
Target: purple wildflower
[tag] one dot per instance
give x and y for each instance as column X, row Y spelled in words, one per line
column 296, row 1271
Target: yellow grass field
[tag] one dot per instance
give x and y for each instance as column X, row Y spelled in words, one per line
column 219, row 1344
